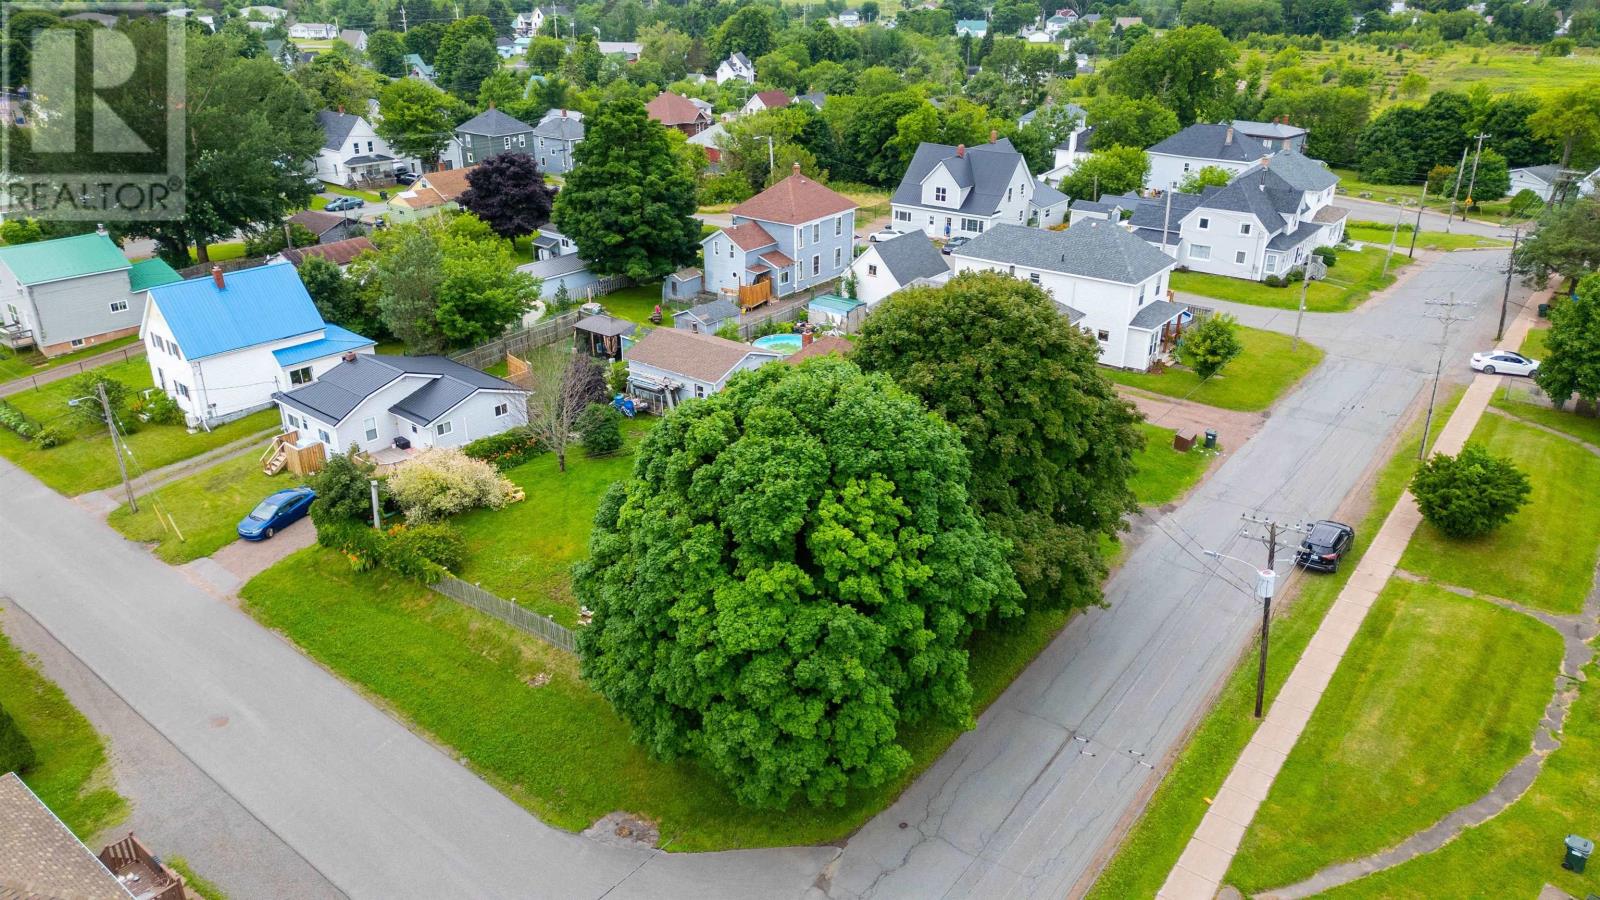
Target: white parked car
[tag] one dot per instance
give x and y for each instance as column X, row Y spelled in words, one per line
column 1504, row 362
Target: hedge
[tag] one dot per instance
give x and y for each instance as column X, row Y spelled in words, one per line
column 507, row 449
column 421, row 552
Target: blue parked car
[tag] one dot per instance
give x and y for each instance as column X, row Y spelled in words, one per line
column 276, row 513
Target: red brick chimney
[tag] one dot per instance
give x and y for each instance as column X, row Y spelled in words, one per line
column 961, row 149
column 993, row 135
column 216, row 275
column 349, row 356
column 1227, row 139
column 797, row 167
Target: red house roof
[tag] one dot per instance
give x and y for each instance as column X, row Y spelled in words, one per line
column 672, row 109
column 794, row 201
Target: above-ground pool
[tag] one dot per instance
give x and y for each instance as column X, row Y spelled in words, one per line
column 783, row 343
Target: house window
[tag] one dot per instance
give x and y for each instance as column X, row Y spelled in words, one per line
column 730, row 251
column 469, row 157
column 1008, row 195
column 1034, row 277
column 183, row 389
column 1186, row 167
column 443, row 428
column 783, row 277
column 1272, row 264
column 369, row 146
column 1102, row 335
column 1141, row 294
column 1199, row 251
column 816, row 233
column 836, row 257
column 500, row 409
column 939, row 195
column 76, row 342
column 1239, row 257
column 972, row 225
column 522, row 140
column 1244, row 227
column 699, row 390
column 119, row 306
column 324, row 437
column 1205, row 223
column 838, row 226
column 800, row 237
column 293, row 422
column 370, row 426
column 301, row 375
column 901, row 215
column 508, row 142
column 355, row 147
column 872, row 271
column 816, row 264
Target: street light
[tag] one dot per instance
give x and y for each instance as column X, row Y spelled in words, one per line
column 1266, row 581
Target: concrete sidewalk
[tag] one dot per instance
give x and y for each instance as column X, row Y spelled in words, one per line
column 1200, row 870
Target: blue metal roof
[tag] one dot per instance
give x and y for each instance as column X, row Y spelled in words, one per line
column 255, row 306
column 335, row 340
column 835, row 304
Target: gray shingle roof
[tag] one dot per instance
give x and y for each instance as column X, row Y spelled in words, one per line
column 554, row 267
column 1547, row 173
column 988, row 168
column 1294, row 238
column 1155, row 314
column 1269, row 130
column 343, row 388
column 494, row 123
column 1045, row 196
column 336, row 126
column 1091, row 249
column 1200, row 141
column 712, row 311
column 910, row 256
column 1301, row 172
column 1151, row 217
column 561, row 128
column 1260, row 192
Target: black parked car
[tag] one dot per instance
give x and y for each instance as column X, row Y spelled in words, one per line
column 404, row 177
column 1325, row 546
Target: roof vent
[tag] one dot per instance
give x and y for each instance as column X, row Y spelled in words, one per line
column 216, row 275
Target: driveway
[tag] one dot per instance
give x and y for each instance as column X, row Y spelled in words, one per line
column 1025, row 805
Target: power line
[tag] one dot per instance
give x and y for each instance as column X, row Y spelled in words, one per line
column 1448, row 317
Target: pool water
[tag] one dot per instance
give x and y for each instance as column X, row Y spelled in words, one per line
column 783, row 343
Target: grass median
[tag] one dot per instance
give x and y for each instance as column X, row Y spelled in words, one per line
column 1379, row 233
column 206, row 507
column 1152, row 847
column 1436, row 699
column 1265, row 370
column 1162, row 474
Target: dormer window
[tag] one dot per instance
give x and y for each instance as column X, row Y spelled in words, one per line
column 1205, row 223
column 940, row 195
column 1244, row 227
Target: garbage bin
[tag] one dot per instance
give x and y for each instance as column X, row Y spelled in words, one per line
column 1578, row 851
column 1544, row 310
column 384, row 196
column 1211, row 439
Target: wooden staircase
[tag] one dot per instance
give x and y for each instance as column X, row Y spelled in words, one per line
column 277, row 453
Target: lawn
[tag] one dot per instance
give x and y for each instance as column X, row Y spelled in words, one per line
column 1503, row 68
column 1552, row 538
column 554, row 746
column 369, row 196
column 1152, row 847
column 1534, row 345
column 524, row 551
column 1350, row 184
column 1381, row 759
column 69, row 773
column 1350, row 281
column 206, row 506
column 1584, row 428
column 636, row 303
column 207, row 889
column 21, row 365
column 1162, row 474
column 1379, row 233
column 1262, row 373
column 1519, row 851
column 86, row 463
column 219, row 252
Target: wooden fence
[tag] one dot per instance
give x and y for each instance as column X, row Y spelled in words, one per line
column 518, row 343
column 751, row 322
column 521, row 618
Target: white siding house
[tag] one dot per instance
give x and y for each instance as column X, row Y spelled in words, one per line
column 887, row 266
column 962, row 191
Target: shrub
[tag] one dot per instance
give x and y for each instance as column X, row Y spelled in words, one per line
column 617, row 376
column 601, row 429
column 1272, row 281
column 344, row 492
column 436, row 542
column 89, row 411
column 157, row 409
column 1294, row 276
column 14, row 419
column 1328, row 255
column 1525, row 202
column 1212, row 344
column 1469, row 494
column 50, row 436
column 16, row 752
column 396, row 549
column 507, row 449
column 438, row 483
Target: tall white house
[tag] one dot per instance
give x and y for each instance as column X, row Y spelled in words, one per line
column 1202, row 146
column 352, row 151
column 962, row 191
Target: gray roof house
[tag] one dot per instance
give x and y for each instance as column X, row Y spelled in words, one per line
column 1199, row 146
column 1106, row 280
column 382, row 402
column 1274, row 133
column 555, row 139
column 491, row 133
column 949, row 191
column 707, row 317
column 887, row 266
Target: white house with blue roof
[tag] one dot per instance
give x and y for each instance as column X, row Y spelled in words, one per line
column 222, row 344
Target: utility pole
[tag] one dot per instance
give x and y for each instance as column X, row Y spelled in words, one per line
column 1460, row 170
column 1166, row 224
column 1473, row 182
column 403, row 26
column 1266, row 585
column 1505, row 299
column 772, row 162
column 1449, row 317
column 1305, row 285
column 1394, row 236
column 116, row 445
column 1417, row 228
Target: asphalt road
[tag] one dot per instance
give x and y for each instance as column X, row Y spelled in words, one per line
column 1021, row 806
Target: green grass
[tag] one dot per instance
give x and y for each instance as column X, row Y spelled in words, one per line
column 1350, row 282
column 1262, row 373
column 1517, row 852
column 206, row 506
column 1151, row 848
column 1534, row 345
column 21, row 365
column 1584, row 428
column 85, row 463
column 219, row 252
column 369, row 196
column 1551, row 539
column 558, row 749
column 1162, row 474
column 394, row 347
column 1503, row 68
column 524, row 551
column 207, row 890
column 1378, row 233
column 1382, row 759
column 69, row 773
column 636, row 303
column 1352, row 185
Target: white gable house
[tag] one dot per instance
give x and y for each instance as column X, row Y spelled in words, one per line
column 736, row 67
column 353, row 152
column 890, row 265
column 950, row 191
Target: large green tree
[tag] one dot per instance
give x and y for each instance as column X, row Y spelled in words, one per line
column 1334, row 115
column 1572, row 363
column 1051, row 443
column 788, row 580
column 446, row 283
column 748, row 31
column 418, row 119
column 1566, row 243
column 1190, row 70
column 1570, row 119
column 1120, row 121
column 387, row 53
column 629, row 203
column 337, row 80
column 1115, row 170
